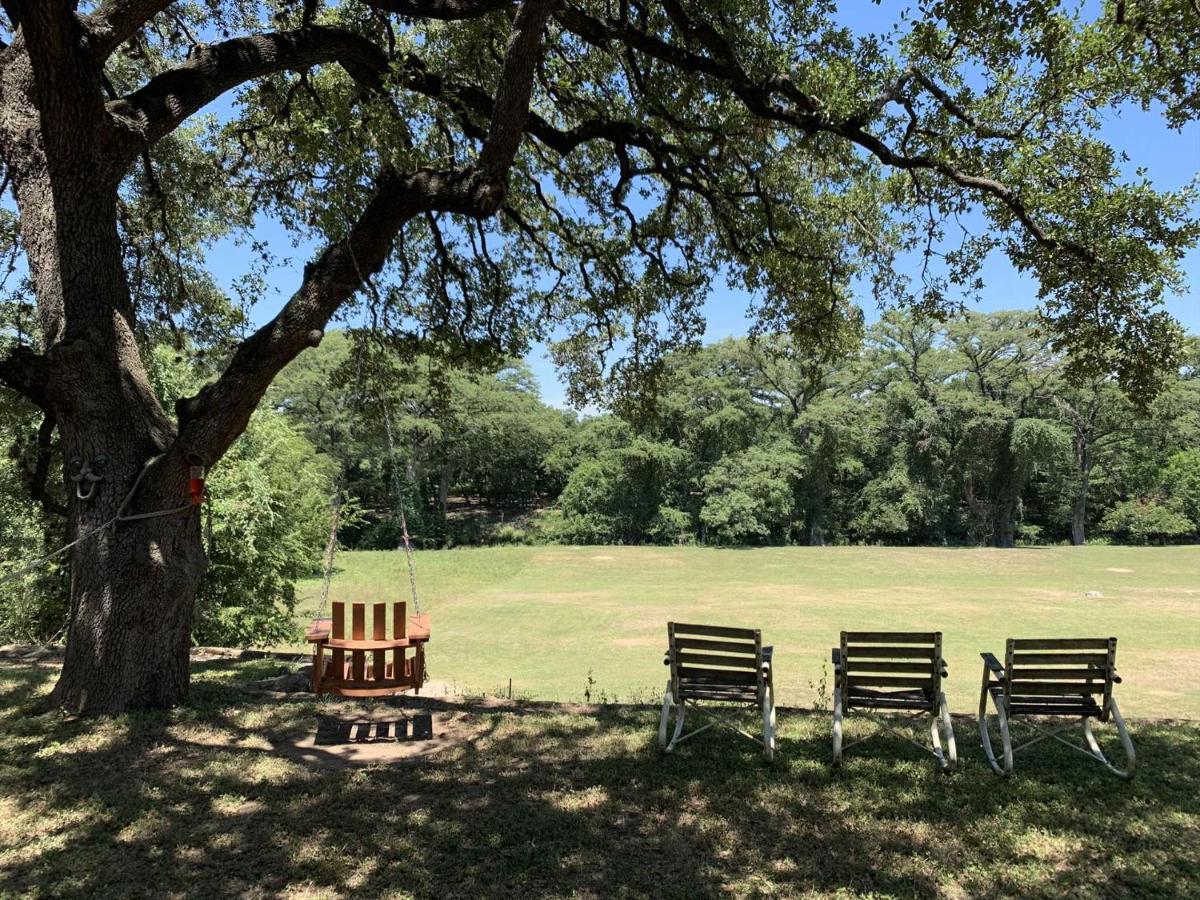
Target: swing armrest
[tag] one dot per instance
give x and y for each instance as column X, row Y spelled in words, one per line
column 993, row 664
column 319, row 631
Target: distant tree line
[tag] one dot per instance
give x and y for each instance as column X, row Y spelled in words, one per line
column 962, row 433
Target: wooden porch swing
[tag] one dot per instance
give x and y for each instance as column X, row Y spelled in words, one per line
column 357, row 666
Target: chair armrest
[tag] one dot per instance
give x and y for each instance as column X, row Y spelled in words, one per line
column 945, row 669
column 1116, row 678
column 667, row 658
column 767, row 654
column 837, row 660
column 993, row 664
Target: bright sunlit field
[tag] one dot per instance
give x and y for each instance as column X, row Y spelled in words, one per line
column 546, row 617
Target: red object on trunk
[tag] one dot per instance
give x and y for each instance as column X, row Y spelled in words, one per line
column 196, row 484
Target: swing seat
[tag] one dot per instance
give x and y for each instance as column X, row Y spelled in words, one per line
column 378, row 666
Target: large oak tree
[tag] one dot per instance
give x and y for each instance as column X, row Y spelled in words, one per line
column 581, row 170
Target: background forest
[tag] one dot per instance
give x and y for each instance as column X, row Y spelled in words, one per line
column 962, row 433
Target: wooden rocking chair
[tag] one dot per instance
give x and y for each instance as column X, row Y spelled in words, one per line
column 1053, row 677
column 386, row 670
column 711, row 664
column 893, row 671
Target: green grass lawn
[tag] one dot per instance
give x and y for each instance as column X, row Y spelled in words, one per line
column 558, row 803
column 547, row 616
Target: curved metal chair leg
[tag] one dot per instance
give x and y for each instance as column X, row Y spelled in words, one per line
column 986, row 737
column 665, row 718
column 1126, row 743
column 768, row 715
column 949, row 759
column 837, row 727
column 680, row 714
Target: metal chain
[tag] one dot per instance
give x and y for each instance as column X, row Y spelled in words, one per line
column 331, row 547
column 399, row 497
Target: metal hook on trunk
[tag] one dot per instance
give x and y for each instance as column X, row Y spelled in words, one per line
column 87, row 479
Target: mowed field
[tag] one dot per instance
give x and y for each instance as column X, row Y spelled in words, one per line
column 546, row 617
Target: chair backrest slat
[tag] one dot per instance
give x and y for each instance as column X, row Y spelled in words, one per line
column 358, row 632
column 379, row 633
column 1057, row 668
column 712, row 659
column 337, row 660
column 1059, row 643
column 705, row 668
column 891, row 660
column 399, row 630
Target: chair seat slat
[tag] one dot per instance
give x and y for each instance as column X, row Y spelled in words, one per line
column 896, row 703
column 720, row 676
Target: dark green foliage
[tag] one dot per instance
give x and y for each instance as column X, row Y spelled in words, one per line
column 964, row 433
column 270, row 499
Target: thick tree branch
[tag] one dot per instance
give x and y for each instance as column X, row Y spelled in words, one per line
column 444, row 10
column 26, row 372
column 212, row 419
column 516, row 85
column 35, row 481
column 116, row 21
column 170, row 98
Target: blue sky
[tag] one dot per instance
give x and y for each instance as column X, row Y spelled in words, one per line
column 1172, row 159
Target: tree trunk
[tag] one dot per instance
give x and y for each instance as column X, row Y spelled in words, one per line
column 1006, row 495
column 132, row 583
column 1083, row 459
column 444, row 489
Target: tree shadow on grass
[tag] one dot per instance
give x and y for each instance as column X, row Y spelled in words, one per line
column 543, row 803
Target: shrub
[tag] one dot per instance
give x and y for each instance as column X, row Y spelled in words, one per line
column 1145, row 521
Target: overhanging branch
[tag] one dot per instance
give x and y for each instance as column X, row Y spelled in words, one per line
column 212, row 419
column 116, row 21
column 170, row 98
column 779, row 99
